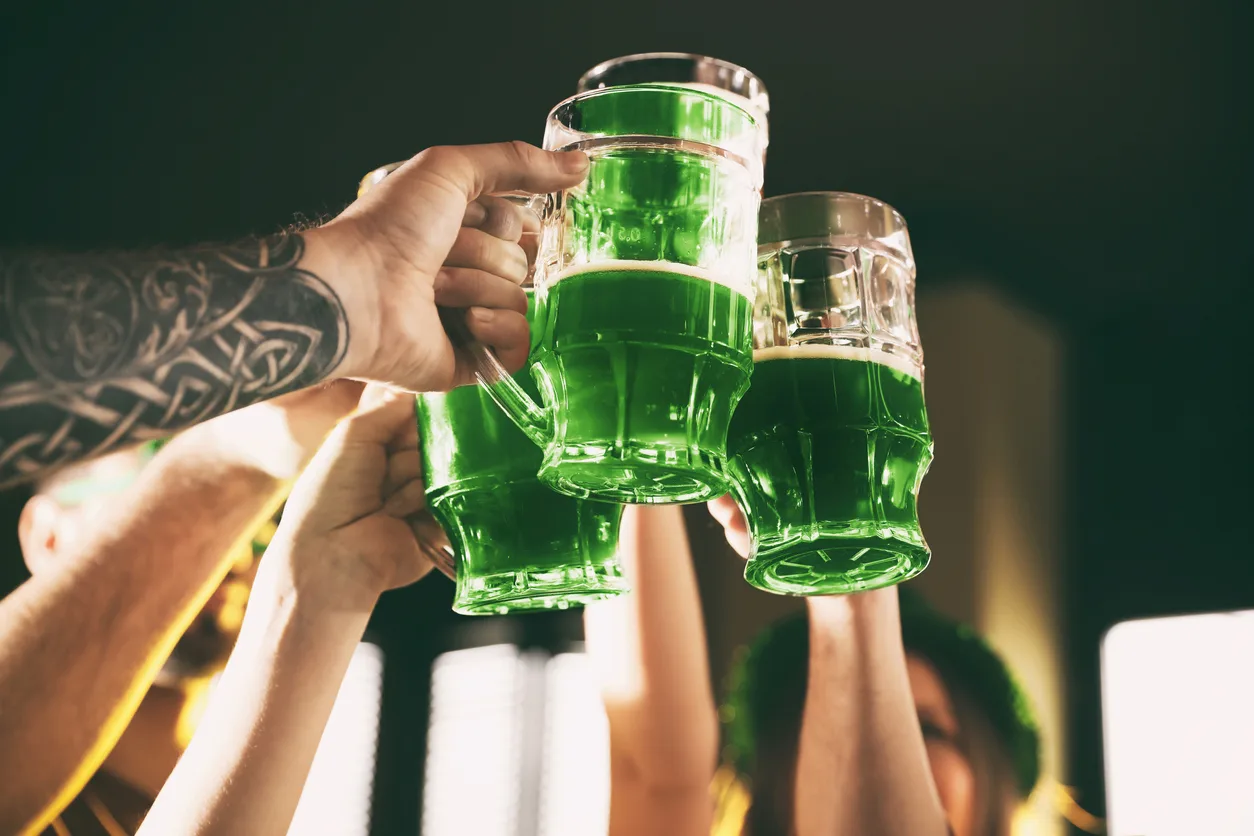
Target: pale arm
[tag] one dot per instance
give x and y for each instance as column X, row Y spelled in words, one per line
column 649, row 651
column 346, row 536
column 246, row 766
column 862, row 766
column 81, row 643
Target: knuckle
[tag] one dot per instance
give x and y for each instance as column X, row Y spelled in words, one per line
column 521, row 152
column 438, row 156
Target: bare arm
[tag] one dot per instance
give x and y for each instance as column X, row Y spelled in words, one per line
column 344, row 539
column 99, row 351
column 650, row 653
column 862, row 767
column 247, row 764
column 81, row 644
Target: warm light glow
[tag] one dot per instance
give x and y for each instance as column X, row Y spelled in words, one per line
column 1178, row 717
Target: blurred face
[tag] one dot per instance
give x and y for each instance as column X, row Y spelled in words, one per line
column 955, row 780
column 81, row 500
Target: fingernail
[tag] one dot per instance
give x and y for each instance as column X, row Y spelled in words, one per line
column 572, row 161
column 475, row 215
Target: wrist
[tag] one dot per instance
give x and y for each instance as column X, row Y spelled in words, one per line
column 341, row 258
column 865, row 614
column 314, row 579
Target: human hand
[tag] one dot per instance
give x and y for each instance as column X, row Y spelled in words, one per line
column 735, row 527
column 356, row 523
column 430, row 240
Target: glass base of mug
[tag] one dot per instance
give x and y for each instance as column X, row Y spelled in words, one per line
column 524, row 590
column 644, row 477
column 835, row 565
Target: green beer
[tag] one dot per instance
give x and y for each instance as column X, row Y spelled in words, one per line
column 519, row 545
column 644, row 362
column 830, row 447
column 644, row 280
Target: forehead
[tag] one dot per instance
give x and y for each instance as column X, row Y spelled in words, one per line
column 927, row 687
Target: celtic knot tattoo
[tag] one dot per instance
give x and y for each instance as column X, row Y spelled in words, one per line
column 100, row 351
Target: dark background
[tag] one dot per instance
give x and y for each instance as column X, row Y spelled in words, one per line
column 1091, row 159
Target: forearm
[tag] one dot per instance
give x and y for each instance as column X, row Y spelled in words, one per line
column 862, row 767
column 80, row 647
column 649, row 650
column 97, row 351
column 247, row 765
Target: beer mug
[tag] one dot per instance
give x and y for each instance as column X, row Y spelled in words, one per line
column 517, row 545
column 643, row 284
column 685, row 69
column 831, row 443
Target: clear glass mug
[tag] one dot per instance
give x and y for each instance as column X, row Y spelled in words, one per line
column 831, row 443
column 517, row 545
column 701, row 72
column 643, row 296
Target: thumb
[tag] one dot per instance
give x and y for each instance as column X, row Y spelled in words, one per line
column 517, row 166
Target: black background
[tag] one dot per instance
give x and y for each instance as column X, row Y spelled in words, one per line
column 1092, row 159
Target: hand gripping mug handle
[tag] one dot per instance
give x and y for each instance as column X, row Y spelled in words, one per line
column 500, row 385
column 535, row 421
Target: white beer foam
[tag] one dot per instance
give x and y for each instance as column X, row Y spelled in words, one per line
column 616, row 265
column 819, row 351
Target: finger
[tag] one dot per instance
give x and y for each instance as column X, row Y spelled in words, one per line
column 738, row 540
column 723, row 509
column 464, row 287
column 408, row 500
column 406, row 439
column 517, row 166
column 428, row 531
column 504, row 331
column 478, row 250
column 382, row 417
column 374, row 395
column 403, row 467
column 531, row 249
column 433, row 543
column 500, row 217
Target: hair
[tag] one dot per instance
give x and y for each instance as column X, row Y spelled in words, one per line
column 766, row 700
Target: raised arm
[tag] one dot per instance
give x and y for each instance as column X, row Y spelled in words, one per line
column 649, row 650
column 346, row 536
column 862, row 767
column 98, row 351
column 81, row 642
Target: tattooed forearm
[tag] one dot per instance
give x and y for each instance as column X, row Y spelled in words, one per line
column 99, row 351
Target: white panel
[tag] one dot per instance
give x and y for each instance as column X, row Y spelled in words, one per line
column 337, row 793
column 1178, row 717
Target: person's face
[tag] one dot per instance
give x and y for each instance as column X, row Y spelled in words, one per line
column 955, row 780
column 64, row 514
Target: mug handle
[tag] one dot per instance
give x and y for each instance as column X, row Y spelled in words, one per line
column 499, row 384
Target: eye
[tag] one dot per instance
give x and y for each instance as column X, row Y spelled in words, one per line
column 931, row 731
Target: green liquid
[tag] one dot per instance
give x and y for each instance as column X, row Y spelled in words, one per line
column 829, row 454
column 643, row 368
column 519, row 545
